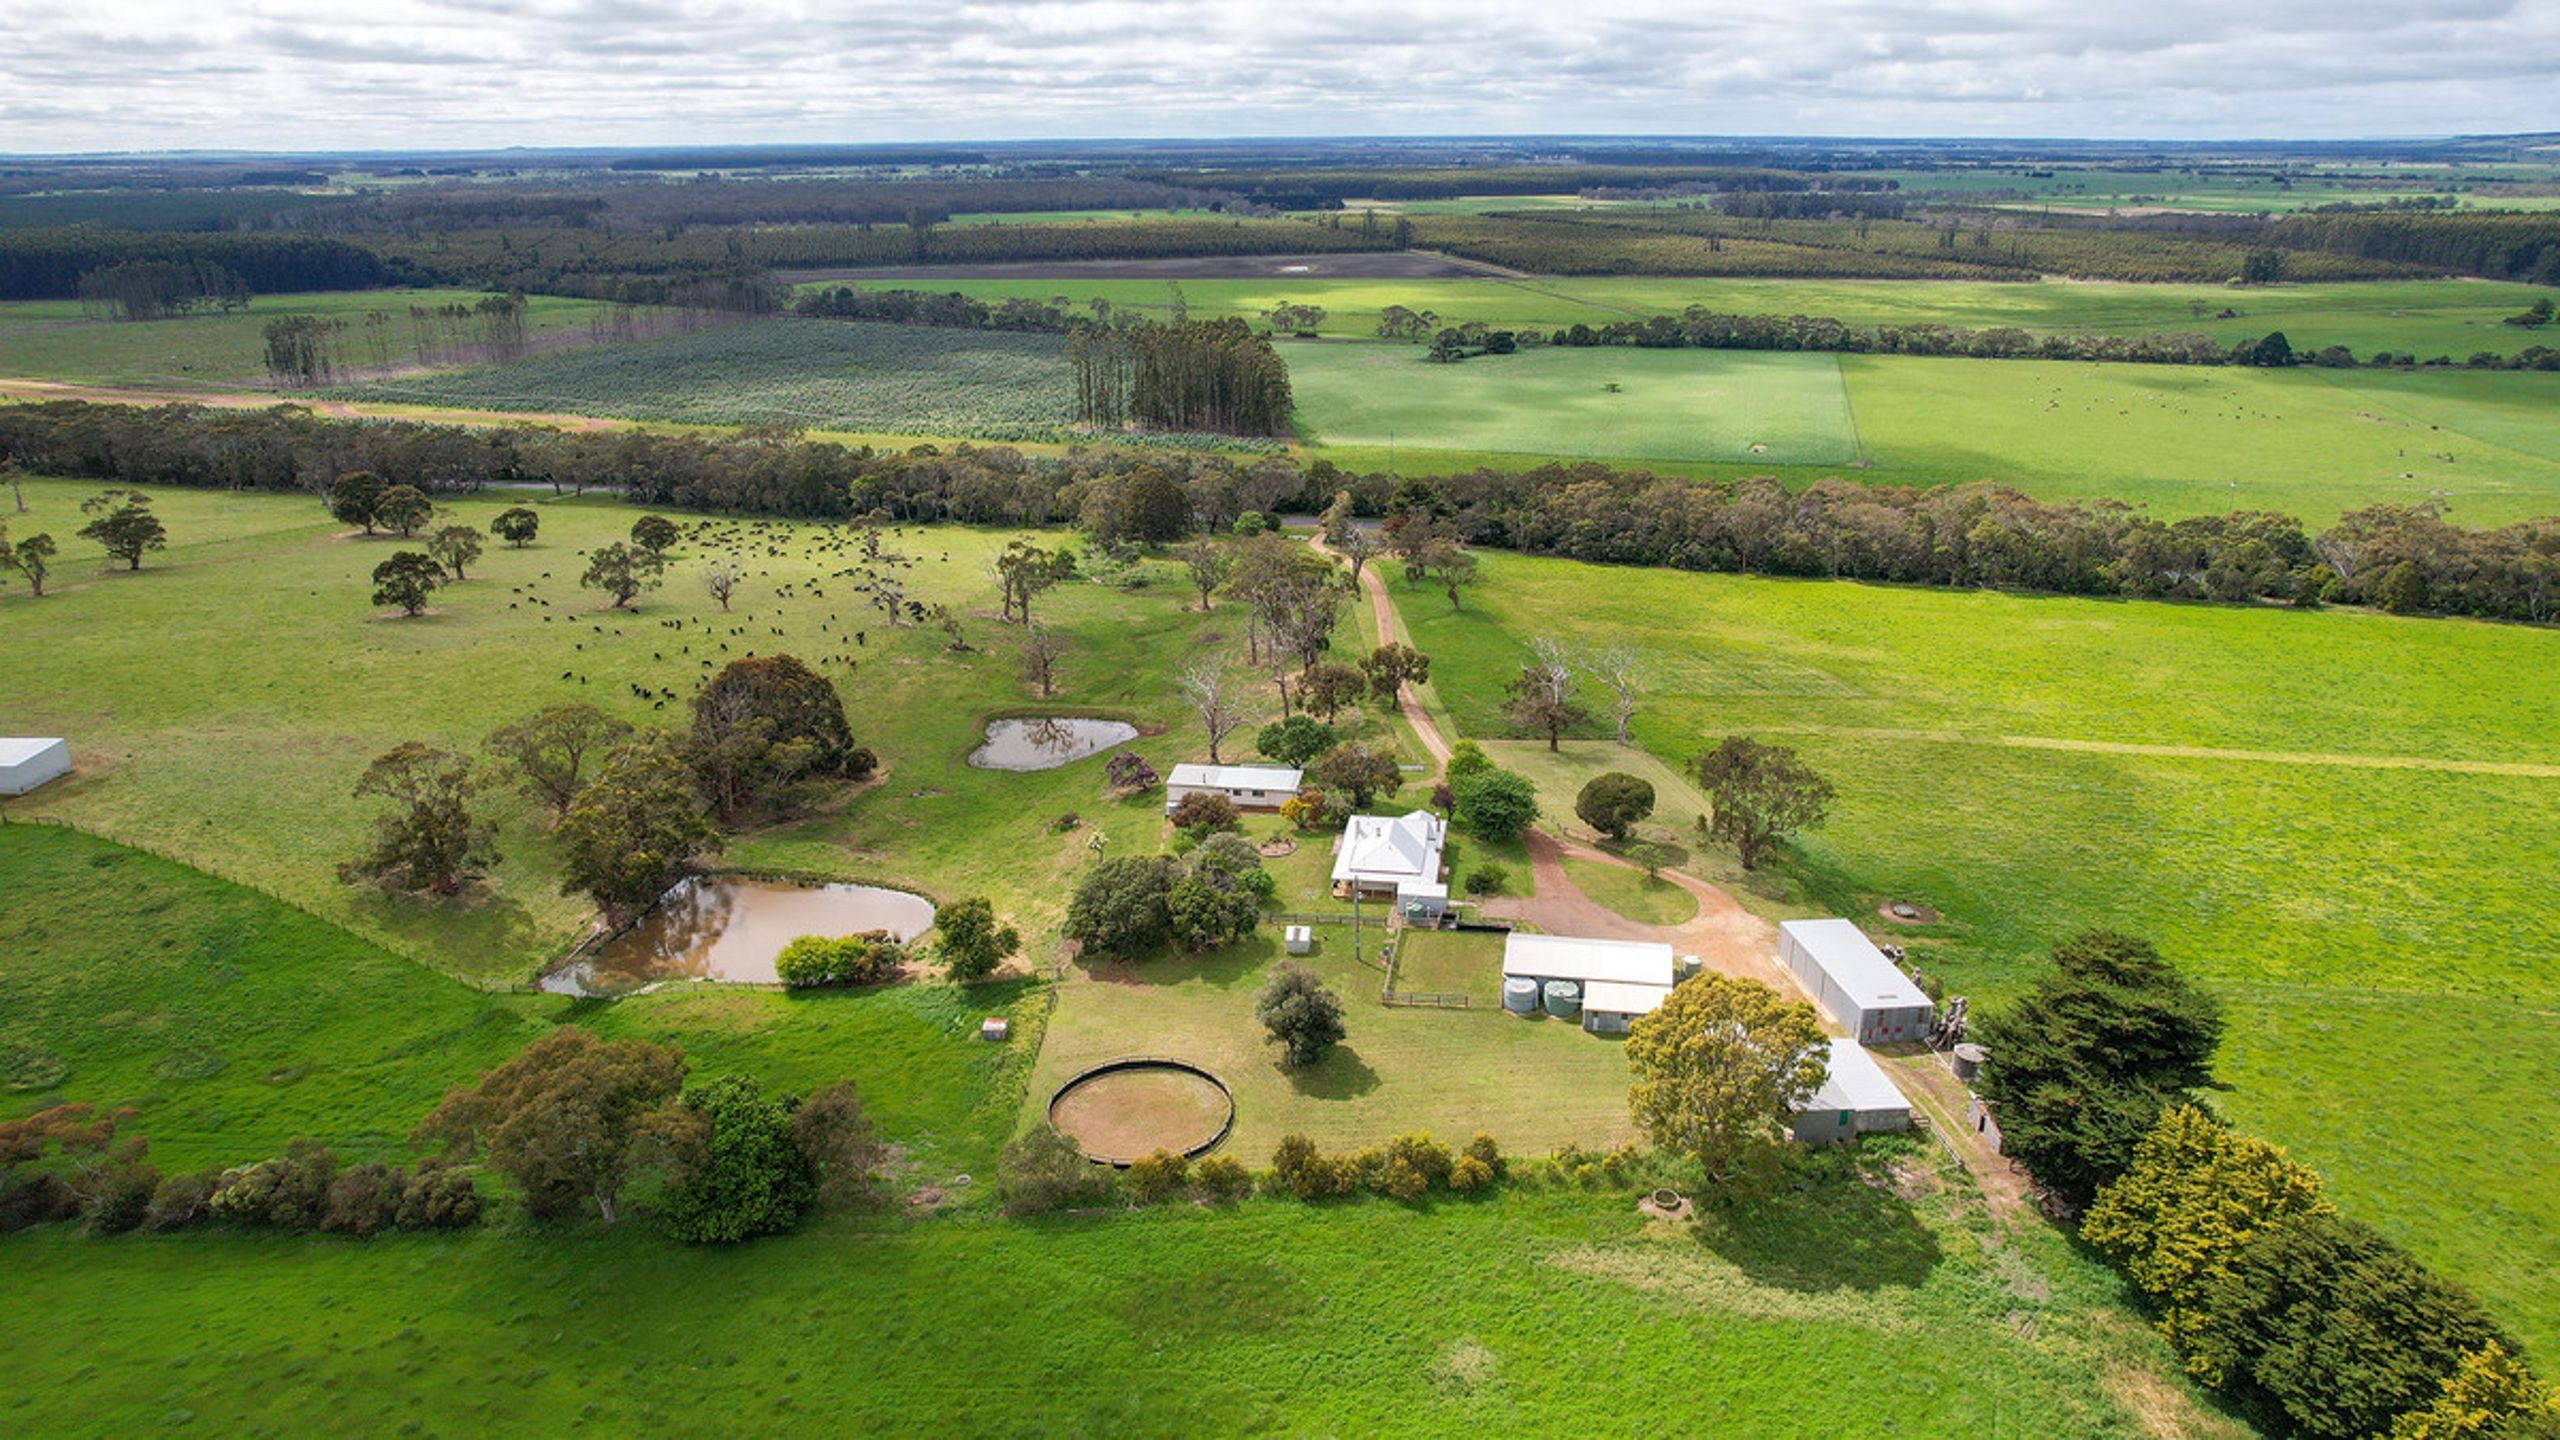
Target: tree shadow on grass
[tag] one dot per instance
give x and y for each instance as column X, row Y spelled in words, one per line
column 1340, row 1075
column 1825, row 1228
column 1222, row 968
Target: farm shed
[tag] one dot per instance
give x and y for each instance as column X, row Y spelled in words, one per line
column 1247, row 787
column 1620, row 979
column 1852, row 981
column 1394, row 858
column 1855, row 1099
column 26, row 764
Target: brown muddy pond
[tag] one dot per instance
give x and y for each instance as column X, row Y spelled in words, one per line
column 727, row 928
column 1047, row 742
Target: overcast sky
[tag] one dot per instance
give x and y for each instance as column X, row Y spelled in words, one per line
column 345, row 74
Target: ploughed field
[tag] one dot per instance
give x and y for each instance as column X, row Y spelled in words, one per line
column 2339, row 821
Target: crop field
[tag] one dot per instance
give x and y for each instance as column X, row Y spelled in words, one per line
column 2336, row 820
column 2428, row 317
column 55, row 340
column 2238, row 191
column 815, row 373
column 1635, row 404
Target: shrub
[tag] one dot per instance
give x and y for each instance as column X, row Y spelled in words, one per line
column 1203, row 811
column 1423, row 1155
column 1614, row 802
column 117, row 1198
column 1222, row 1177
column 1158, row 1177
column 36, row 1200
column 1302, row 1170
column 973, row 944
column 1362, row 1169
column 1119, row 905
column 438, row 1198
column 1299, row 1012
column 1488, row 878
column 1482, row 1150
column 812, row 961
column 1494, row 804
column 1470, row 1175
column 1305, row 810
column 363, row 1200
column 1128, row 770
column 1043, row 1170
column 1295, row 741
column 1402, row 1181
column 182, row 1200
column 1466, row 758
column 741, row 1176
column 289, row 1192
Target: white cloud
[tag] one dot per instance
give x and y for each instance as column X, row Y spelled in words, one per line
column 279, row 74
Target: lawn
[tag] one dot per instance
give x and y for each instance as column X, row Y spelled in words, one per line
column 55, row 339
column 1613, row 403
column 1630, row 893
column 2328, row 817
column 820, row 374
column 1451, row 962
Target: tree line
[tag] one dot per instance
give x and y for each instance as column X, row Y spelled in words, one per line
column 48, row 264
column 1192, row 375
column 2404, row 558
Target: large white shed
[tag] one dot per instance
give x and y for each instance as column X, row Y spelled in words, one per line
column 28, row 763
column 1851, row 980
column 1855, row 1099
column 1620, row 979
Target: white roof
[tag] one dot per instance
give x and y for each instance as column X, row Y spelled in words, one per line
column 1570, row 957
column 1235, row 777
column 16, row 751
column 1856, row 1082
column 1855, row 964
column 1617, row 997
column 1387, row 849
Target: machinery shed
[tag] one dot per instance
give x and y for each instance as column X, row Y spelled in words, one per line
column 1862, row 991
column 28, row 763
column 1857, row 1098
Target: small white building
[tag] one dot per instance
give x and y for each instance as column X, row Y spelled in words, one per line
column 1394, row 858
column 1300, row 939
column 1857, row 1098
column 1861, row 990
column 1620, row 979
column 1248, row 787
column 26, row 764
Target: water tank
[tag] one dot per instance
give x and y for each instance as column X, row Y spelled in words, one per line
column 1564, row 998
column 1685, row 967
column 1520, row 995
column 1969, row 1058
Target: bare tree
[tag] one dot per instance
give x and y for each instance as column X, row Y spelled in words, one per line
column 1042, row 648
column 1620, row 670
column 721, row 577
column 1216, row 700
column 1552, row 668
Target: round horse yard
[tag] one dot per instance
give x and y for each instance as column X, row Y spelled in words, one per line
column 1122, row 1110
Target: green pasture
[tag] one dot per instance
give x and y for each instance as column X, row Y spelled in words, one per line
column 55, row 340
column 2239, row 189
column 1068, row 217
column 1527, row 1313
column 235, row 746
column 820, row 374
column 1614, row 403
column 2327, row 816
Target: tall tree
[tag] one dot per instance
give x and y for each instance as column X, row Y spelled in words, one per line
column 622, row 572
column 654, row 533
column 454, row 547
column 737, row 1173
column 427, row 838
column 763, row 724
column 721, row 578
column 123, row 525
column 404, row 508
column 972, row 942
column 549, row 751
column 1042, row 649
column 631, row 831
column 517, row 525
column 1209, row 564
column 2082, row 1065
column 1620, row 671
column 355, row 498
column 1216, row 699
column 568, row 1119
column 1023, row 570
column 406, row 579
column 1391, row 667
column 1542, row 694
column 1757, row 794
column 31, row 557
column 1298, row 1012
column 1721, row 1067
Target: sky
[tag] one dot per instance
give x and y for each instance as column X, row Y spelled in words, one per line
column 387, row 74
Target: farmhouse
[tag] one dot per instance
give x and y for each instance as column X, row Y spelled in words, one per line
column 1248, row 787
column 1614, row 980
column 1394, row 858
column 1855, row 1099
column 26, row 764
column 1852, row 981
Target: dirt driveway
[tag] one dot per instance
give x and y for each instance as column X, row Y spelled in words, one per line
column 1723, row 935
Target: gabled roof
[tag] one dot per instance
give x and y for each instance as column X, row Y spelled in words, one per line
column 1620, row 997
column 1382, row 848
column 1571, row 957
column 1856, row 1082
column 1235, row 777
column 1855, row 964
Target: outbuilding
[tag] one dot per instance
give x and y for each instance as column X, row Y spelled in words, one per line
column 1857, row 1098
column 1619, row 979
column 28, row 763
column 1861, row 990
column 1247, row 787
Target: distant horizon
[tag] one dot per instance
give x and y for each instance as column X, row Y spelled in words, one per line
column 310, row 76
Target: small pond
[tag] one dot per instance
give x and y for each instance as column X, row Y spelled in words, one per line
column 1047, row 742
column 728, row 928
